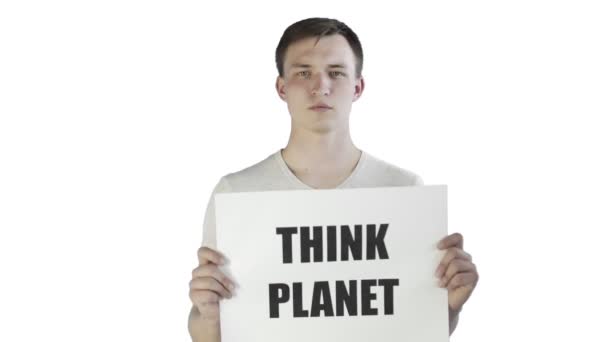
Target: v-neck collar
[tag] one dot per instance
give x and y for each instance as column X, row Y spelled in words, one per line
column 301, row 185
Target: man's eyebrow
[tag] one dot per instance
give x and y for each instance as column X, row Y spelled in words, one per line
column 301, row 65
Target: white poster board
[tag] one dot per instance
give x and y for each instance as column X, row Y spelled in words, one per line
column 334, row 265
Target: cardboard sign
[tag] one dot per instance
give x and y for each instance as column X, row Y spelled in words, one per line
column 334, row 265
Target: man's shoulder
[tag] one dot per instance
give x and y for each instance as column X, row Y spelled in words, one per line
column 382, row 173
column 260, row 176
column 268, row 174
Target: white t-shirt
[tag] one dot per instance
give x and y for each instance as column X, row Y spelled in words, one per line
column 272, row 174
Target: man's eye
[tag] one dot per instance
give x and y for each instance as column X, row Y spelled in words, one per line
column 336, row 73
column 303, row 73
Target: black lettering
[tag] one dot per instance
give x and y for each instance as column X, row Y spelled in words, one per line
column 376, row 241
column 297, row 301
column 315, row 243
column 287, row 233
column 332, row 244
column 346, row 298
column 321, row 300
column 367, row 296
column 388, row 285
column 350, row 243
column 276, row 298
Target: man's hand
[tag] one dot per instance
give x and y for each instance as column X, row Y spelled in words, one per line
column 456, row 272
column 209, row 284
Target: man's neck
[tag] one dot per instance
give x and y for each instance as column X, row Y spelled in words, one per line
column 321, row 160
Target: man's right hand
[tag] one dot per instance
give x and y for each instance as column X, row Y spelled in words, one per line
column 209, row 284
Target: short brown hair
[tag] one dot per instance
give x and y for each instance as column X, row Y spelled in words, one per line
column 318, row 27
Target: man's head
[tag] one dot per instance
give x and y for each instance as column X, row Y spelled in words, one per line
column 319, row 62
column 317, row 28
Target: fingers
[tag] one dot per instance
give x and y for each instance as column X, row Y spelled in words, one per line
column 455, row 268
column 207, row 255
column 204, row 298
column 463, row 279
column 209, row 284
column 453, row 240
column 212, row 271
column 451, row 254
column 207, row 303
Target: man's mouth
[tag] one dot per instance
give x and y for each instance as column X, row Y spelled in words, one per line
column 320, row 107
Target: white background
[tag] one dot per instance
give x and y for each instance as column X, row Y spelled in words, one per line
column 118, row 118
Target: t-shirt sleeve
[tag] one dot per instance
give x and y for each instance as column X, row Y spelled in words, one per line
column 209, row 233
column 418, row 181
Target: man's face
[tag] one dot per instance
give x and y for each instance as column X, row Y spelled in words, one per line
column 320, row 75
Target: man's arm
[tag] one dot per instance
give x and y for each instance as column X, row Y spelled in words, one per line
column 458, row 274
column 453, row 320
column 203, row 330
column 208, row 285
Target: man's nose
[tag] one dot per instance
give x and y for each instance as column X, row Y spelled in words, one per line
column 320, row 86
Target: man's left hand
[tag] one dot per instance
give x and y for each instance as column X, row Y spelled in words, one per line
column 456, row 271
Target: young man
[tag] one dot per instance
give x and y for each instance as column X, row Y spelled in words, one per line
column 319, row 63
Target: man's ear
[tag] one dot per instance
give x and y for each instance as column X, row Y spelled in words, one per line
column 359, row 86
column 280, row 87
